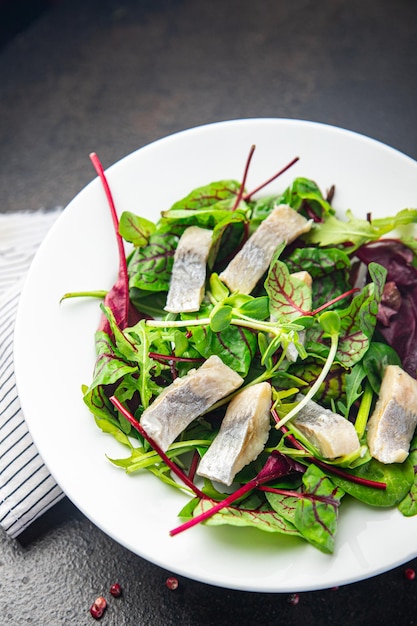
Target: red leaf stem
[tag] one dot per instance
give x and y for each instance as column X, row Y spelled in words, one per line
column 293, row 494
column 283, row 492
column 193, row 465
column 248, row 196
column 276, row 465
column 118, row 297
column 170, row 357
column 245, row 175
column 217, row 507
column 346, row 294
column 100, row 173
column 173, row 466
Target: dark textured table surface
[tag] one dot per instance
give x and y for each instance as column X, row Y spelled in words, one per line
column 111, row 76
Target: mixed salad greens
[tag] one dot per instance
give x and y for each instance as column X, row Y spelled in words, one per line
column 359, row 316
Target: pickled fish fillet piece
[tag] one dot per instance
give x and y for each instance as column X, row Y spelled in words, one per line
column 186, row 289
column 283, row 224
column 187, row 398
column 392, row 424
column 242, row 435
column 329, row 432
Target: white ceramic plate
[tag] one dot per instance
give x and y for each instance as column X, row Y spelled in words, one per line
column 54, row 352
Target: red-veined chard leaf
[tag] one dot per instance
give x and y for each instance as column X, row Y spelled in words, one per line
column 213, row 207
column 150, row 266
column 357, row 323
column 219, row 214
column 111, row 364
column 289, row 296
column 135, row 229
column 208, row 195
column 313, row 510
column 261, row 517
column 304, row 196
column 329, row 269
column 97, row 401
column 277, row 465
column 332, row 388
column 398, row 478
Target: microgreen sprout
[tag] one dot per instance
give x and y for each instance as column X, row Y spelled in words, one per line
column 330, row 323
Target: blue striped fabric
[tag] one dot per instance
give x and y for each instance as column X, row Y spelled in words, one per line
column 26, row 487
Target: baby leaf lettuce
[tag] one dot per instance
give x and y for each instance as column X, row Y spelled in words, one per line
column 313, row 510
column 235, row 345
column 250, row 512
column 398, row 478
column 356, row 231
column 357, row 323
column 302, row 195
column 135, row 229
column 150, row 266
column 208, row 206
column 329, row 269
column 289, row 297
column 208, row 195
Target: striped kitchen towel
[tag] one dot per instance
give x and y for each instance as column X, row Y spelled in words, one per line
column 26, row 487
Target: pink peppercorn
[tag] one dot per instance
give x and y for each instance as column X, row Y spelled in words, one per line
column 172, row 583
column 98, row 607
column 410, row 573
column 116, row 590
column 294, row 599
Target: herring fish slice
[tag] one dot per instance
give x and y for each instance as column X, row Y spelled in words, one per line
column 186, row 289
column 242, row 435
column 393, row 422
column 187, row 398
column 329, row 432
column 283, row 224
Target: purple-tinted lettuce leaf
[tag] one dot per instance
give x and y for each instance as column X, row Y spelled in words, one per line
column 397, row 317
column 357, row 323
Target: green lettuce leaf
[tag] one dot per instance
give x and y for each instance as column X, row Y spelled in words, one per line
column 356, row 231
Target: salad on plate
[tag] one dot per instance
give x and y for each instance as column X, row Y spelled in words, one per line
column 259, row 352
